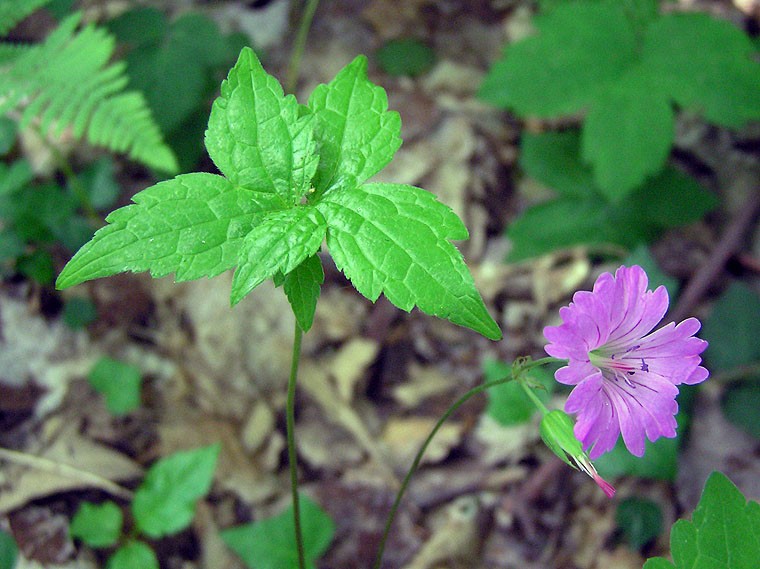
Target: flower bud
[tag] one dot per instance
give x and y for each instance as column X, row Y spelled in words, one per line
column 557, row 432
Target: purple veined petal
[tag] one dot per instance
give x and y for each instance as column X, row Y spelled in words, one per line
column 625, row 375
column 653, row 307
column 575, row 372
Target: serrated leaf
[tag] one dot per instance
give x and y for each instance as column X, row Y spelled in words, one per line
column 395, row 239
column 627, row 134
column 133, row 555
column 255, row 135
column 119, row 383
column 724, row 532
column 302, row 287
column 97, row 525
column 706, row 64
column 579, row 48
column 164, row 504
column 279, row 243
column 192, row 225
column 357, row 134
column 270, row 543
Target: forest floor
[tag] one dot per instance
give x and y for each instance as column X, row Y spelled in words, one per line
column 373, row 380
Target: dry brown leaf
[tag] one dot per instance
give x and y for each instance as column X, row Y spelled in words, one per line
column 349, row 365
column 85, row 464
column 404, row 437
column 424, row 382
column 316, row 382
column 235, row 471
column 455, row 537
column 504, row 444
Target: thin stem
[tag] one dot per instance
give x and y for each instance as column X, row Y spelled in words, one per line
column 63, row 469
column 533, row 397
column 294, row 65
column 290, row 422
column 417, row 459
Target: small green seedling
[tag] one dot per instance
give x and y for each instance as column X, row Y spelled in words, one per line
column 294, row 176
column 164, row 504
column 269, row 543
column 119, row 383
column 8, row 551
column 639, row 520
column 407, row 57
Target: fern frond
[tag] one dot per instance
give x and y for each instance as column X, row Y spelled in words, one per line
column 13, row 11
column 67, row 81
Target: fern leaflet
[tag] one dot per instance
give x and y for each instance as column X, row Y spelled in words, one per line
column 66, row 81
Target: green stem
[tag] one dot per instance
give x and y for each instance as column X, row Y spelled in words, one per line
column 294, row 65
column 290, row 422
column 451, row 410
column 533, row 397
column 513, row 374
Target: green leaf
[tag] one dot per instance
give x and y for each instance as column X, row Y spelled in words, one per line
column 279, row 243
column 8, row 551
column 101, row 184
column 409, row 57
column 706, row 64
column 566, row 222
column 256, row 137
column 640, row 520
column 672, row 199
column 552, row 158
column 164, row 504
column 78, row 312
column 97, row 525
column 724, row 532
column 302, row 287
column 8, row 131
column 732, row 329
column 357, row 134
column 627, row 134
column 740, row 404
column 508, row 403
column 173, row 63
column 119, row 383
column 395, row 239
column 579, row 48
column 133, row 555
column 270, row 543
column 193, row 225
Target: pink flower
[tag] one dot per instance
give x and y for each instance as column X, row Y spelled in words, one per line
column 625, row 378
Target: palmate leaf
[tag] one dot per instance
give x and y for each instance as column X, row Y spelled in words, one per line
column 394, row 239
column 292, row 176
